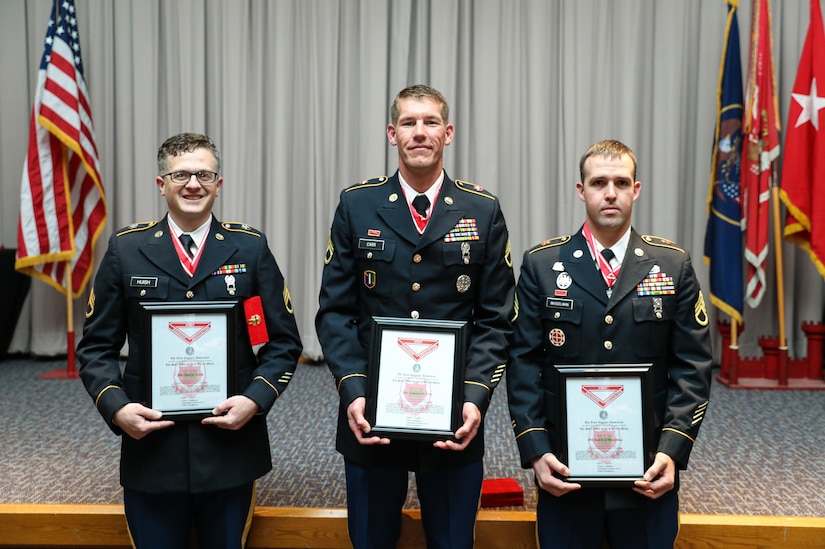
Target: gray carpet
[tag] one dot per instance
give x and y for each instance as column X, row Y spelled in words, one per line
column 760, row 452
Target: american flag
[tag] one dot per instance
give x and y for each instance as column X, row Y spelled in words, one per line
column 62, row 207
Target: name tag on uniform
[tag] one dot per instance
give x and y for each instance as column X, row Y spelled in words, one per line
column 555, row 303
column 370, row 244
column 143, row 282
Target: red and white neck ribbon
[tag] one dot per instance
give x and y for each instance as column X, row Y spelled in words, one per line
column 189, row 264
column 609, row 274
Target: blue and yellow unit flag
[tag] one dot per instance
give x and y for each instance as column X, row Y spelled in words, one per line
column 723, row 236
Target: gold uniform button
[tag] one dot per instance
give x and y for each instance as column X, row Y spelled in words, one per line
column 608, row 345
column 369, row 255
column 416, row 286
column 557, row 315
column 190, row 294
column 417, row 258
column 142, row 293
column 659, row 316
column 608, row 320
column 414, row 314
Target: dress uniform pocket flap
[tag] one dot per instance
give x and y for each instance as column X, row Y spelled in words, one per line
column 374, row 249
column 146, row 287
column 652, row 308
column 559, row 309
column 466, row 252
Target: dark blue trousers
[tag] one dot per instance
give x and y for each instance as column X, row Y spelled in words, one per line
column 449, row 505
column 219, row 520
column 561, row 524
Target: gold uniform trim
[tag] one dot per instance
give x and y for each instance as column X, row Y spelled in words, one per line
column 468, row 187
column 551, row 243
column 479, row 384
column 680, row 433
column 288, row 300
column 347, row 377
column 135, row 227
column 508, row 258
column 661, row 242
column 90, row 307
column 498, row 373
column 699, row 414
column 100, row 394
column 330, row 250
column 530, row 431
column 700, row 311
column 368, row 183
column 515, row 308
column 271, row 386
column 238, row 227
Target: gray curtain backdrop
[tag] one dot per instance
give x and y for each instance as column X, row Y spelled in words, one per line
column 296, row 94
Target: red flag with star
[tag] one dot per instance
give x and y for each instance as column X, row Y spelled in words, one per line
column 761, row 129
column 805, row 148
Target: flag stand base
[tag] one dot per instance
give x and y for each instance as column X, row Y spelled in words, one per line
column 774, row 369
column 59, row 373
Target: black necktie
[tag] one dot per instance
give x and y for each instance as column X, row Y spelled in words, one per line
column 188, row 242
column 608, row 254
column 421, row 203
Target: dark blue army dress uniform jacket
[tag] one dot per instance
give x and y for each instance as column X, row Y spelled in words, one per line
column 141, row 264
column 656, row 314
column 377, row 264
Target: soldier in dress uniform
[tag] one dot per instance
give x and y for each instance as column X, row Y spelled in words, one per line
column 608, row 296
column 415, row 245
column 180, row 475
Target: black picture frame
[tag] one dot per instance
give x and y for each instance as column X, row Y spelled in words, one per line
column 187, row 373
column 603, row 441
column 410, row 397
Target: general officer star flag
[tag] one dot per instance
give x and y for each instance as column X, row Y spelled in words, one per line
column 803, row 169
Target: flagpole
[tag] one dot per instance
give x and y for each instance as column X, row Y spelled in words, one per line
column 733, row 367
column 71, row 371
column 780, row 289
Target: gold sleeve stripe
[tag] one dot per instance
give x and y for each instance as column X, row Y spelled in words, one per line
column 285, row 378
column 347, row 377
column 680, row 433
column 100, row 394
column 699, row 414
column 479, row 384
column 530, row 431
column 271, row 386
column 498, row 373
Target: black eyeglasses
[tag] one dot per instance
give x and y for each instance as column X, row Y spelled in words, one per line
column 182, row 177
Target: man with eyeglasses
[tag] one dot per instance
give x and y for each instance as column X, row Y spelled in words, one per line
column 193, row 472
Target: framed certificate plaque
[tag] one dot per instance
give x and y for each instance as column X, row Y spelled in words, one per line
column 188, row 351
column 416, row 378
column 605, row 422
